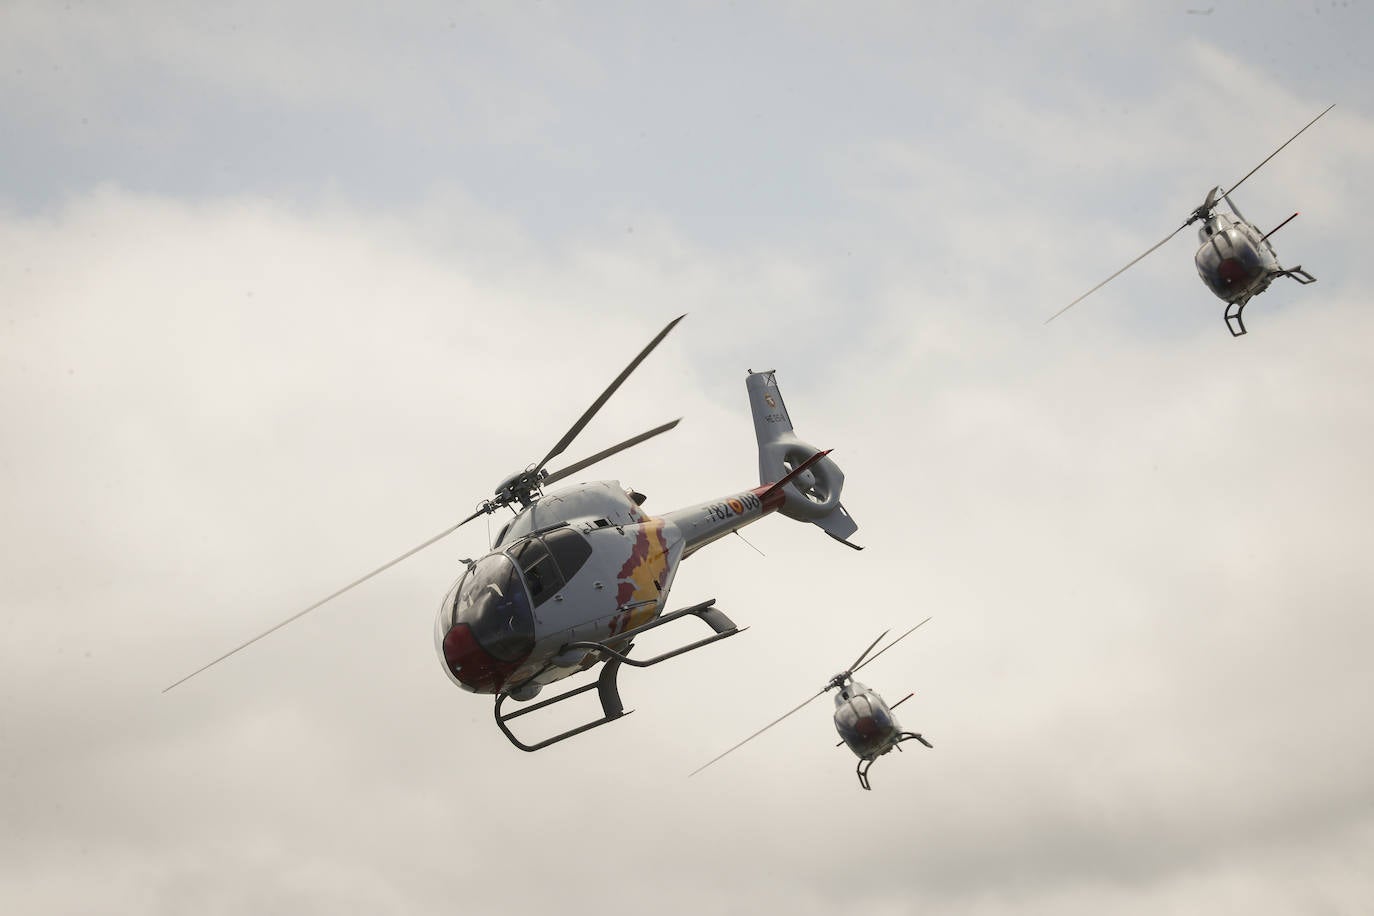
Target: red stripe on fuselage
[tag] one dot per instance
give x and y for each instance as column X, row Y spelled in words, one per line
column 638, row 554
column 771, row 496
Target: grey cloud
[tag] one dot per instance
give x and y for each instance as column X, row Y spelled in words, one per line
column 1141, row 540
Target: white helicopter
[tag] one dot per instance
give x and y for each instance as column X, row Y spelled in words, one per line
column 579, row 573
column 1235, row 260
column 864, row 721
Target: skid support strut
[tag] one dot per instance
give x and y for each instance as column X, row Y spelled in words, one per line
column 607, row 689
column 1233, row 309
column 866, row 762
column 1234, row 323
column 1297, row 273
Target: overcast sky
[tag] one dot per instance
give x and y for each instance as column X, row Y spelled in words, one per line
column 284, row 291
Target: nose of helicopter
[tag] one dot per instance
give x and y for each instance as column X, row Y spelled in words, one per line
column 469, row 662
column 1232, row 271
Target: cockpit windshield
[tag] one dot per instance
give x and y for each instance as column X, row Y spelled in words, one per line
column 1228, row 263
column 491, row 601
column 863, row 724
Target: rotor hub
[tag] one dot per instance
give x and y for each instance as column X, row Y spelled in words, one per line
column 522, row 487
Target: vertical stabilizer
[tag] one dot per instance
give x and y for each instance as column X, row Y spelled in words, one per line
column 814, row 494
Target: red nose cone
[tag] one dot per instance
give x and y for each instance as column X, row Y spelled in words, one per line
column 1231, row 271
column 866, row 727
column 471, row 664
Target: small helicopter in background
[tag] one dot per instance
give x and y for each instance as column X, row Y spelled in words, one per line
column 579, row 573
column 865, row 722
column 1235, row 260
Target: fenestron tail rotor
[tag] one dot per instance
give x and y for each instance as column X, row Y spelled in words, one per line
column 1204, row 211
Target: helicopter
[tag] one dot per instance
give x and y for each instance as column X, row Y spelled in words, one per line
column 1234, row 259
column 579, row 573
column 863, row 719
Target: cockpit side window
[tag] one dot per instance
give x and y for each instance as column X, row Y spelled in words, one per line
column 570, row 549
column 540, row 571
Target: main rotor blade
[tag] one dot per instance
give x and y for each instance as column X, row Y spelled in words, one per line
column 1148, row 251
column 1277, row 151
column 356, row 582
column 1208, row 205
column 605, row 396
column 1234, row 208
column 854, row 667
column 893, row 643
column 608, row 452
column 797, row 708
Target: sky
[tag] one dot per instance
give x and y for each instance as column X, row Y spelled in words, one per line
column 287, row 289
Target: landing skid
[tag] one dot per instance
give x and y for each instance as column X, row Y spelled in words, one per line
column 608, row 691
column 1234, row 323
column 1297, row 273
column 864, row 763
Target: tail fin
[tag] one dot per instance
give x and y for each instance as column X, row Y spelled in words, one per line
column 812, row 495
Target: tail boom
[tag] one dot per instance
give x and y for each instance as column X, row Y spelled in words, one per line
column 703, row 523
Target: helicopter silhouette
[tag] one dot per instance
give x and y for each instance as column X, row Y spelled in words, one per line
column 579, row 573
column 864, row 721
column 1235, row 260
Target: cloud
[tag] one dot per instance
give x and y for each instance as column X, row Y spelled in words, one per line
column 1140, row 539
column 264, row 400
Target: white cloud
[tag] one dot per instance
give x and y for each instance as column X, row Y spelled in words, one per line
column 1141, row 541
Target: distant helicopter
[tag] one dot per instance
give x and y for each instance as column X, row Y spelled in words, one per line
column 1235, row 260
column 579, row 573
column 865, row 722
